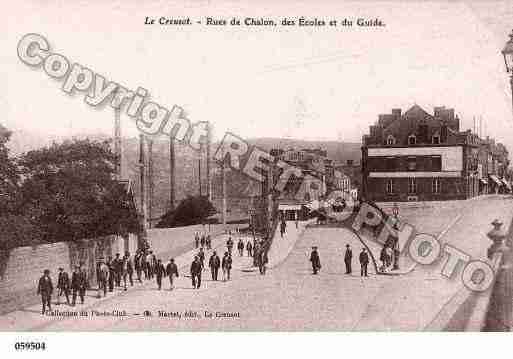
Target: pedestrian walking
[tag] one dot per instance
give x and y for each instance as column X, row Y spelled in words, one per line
column 144, row 264
column 383, row 258
column 364, row 261
column 196, row 269
column 202, row 241
column 78, row 284
column 214, row 263
column 227, row 266
column 118, row 269
column 389, row 256
column 348, row 258
column 262, row 262
column 112, row 274
column 103, row 278
column 316, row 260
column 209, row 242
column 196, row 240
column 150, row 263
column 138, row 265
column 63, row 286
column 45, row 289
column 240, row 247
column 172, row 271
column 160, row 272
column 283, row 226
column 201, row 256
column 130, row 268
column 249, row 248
column 229, row 244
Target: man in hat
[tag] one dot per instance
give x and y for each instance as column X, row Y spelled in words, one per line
column 78, row 284
column 171, row 271
column 209, row 241
column 262, row 261
column 364, row 261
column 103, row 277
column 160, row 271
column 249, row 248
column 348, row 258
column 229, row 244
column 45, row 288
column 201, row 256
column 112, row 273
column 227, row 266
column 196, row 269
column 118, row 269
column 62, row 285
column 214, row 263
column 315, row 259
column 196, row 239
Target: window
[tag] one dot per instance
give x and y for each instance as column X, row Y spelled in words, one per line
column 390, row 140
column 436, row 163
column 390, row 186
column 436, row 185
column 411, row 163
column 390, row 164
column 436, row 139
column 412, row 185
column 412, row 139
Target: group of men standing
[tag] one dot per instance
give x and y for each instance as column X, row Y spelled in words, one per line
column 348, row 258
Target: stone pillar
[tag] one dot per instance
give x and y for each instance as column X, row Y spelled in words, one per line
column 499, row 316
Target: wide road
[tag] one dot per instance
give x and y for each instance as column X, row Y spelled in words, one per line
column 290, row 298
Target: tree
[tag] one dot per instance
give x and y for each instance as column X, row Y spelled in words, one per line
column 191, row 210
column 9, row 176
column 70, row 191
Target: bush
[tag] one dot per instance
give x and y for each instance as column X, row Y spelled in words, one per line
column 191, row 210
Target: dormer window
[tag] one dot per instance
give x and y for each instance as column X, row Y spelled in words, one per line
column 436, row 140
column 390, row 140
column 412, row 140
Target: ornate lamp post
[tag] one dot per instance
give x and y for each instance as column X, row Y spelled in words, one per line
column 507, row 52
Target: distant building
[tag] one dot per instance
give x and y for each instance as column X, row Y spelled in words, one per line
column 420, row 156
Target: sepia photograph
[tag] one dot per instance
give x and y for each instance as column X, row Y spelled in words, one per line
column 273, row 166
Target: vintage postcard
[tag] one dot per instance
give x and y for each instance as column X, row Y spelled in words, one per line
column 284, row 166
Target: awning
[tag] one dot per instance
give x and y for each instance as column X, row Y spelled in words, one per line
column 506, row 183
column 496, row 180
column 483, row 181
column 289, row 207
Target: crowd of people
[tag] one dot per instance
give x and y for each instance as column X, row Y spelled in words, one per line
column 121, row 271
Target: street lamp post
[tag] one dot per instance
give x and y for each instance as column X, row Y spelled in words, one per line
column 507, row 52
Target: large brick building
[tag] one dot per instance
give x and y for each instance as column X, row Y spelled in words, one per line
column 420, row 156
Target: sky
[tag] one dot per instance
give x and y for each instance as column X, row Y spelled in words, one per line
column 296, row 82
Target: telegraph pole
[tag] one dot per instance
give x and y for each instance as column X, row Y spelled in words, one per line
column 117, row 142
column 150, row 182
column 209, row 189
column 142, row 181
column 223, row 176
column 199, row 171
column 171, row 173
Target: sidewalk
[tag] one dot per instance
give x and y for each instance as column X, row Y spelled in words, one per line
column 30, row 318
column 281, row 247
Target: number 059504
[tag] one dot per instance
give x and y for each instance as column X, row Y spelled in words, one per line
column 30, row 346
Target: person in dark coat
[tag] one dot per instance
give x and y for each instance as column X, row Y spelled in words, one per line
column 112, row 273
column 196, row 269
column 209, row 242
column 348, row 258
column 103, row 277
column 160, row 272
column 249, row 248
column 138, row 265
column 229, row 244
column 78, row 284
column 227, row 266
column 172, row 271
column 283, row 226
column 240, row 247
column 202, row 241
column 63, row 285
column 262, row 261
column 364, row 261
column 214, row 263
column 316, row 260
column 201, row 256
column 45, row 289
column 129, row 268
column 196, row 240
column 118, row 269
